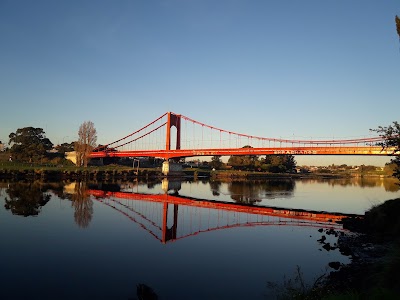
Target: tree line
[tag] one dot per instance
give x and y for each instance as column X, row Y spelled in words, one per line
column 30, row 144
column 269, row 163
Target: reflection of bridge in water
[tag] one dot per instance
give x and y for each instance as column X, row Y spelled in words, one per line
column 158, row 214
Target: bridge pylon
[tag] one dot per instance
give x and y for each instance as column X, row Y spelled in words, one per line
column 173, row 120
column 172, row 168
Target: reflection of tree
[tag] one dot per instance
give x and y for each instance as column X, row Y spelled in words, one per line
column 364, row 182
column 26, row 199
column 369, row 182
column 338, row 181
column 391, row 185
column 215, row 187
column 280, row 188
column 244, row 192
column 152, row 184
column 253, row 191
column 83, row 205
column 57, row 188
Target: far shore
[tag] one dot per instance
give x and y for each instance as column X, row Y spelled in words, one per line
column 72, row 172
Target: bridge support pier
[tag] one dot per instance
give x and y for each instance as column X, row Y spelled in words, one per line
column 171, row 185
column 170, row 168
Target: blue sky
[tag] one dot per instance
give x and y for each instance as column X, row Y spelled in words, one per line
column 268, row 68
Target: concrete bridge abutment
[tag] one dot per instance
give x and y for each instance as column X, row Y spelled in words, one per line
column 170, row 168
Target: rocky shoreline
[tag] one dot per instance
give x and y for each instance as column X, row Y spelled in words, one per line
column 374, row 271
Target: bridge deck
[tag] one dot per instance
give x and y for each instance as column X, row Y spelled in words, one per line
column 326, row 150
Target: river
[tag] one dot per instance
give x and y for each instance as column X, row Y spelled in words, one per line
column 183, row 239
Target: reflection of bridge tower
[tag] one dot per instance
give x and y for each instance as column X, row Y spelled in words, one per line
column 169, row 233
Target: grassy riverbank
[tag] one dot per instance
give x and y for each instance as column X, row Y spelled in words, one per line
column 14, row 170
column 18, row 170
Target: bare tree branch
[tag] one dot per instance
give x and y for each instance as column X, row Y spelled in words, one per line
column 87, row 138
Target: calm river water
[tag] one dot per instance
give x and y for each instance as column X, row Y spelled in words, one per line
column 185, row 240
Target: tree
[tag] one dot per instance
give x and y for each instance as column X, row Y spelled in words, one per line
column 87, row 138
column 279, row 163
column 397, row 19
column 244, row 162
column 391, row 140
column 216, row 162
column 66, row 147
column 29, row 143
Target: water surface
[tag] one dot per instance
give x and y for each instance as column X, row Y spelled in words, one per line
column 99, row 241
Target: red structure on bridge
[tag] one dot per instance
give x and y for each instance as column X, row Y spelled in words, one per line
column 198, row 139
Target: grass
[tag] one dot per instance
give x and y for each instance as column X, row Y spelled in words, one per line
column 296, row 288
column 24, row 168
column 382, row 221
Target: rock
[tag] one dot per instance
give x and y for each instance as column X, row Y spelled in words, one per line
column 327, row 247
column 335, row 265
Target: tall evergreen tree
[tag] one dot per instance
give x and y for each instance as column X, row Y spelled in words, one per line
column 29, row 143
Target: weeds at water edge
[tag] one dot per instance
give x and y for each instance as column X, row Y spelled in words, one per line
column 297, row 288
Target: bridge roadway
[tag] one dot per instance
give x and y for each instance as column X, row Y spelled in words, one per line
column 298, row 214
column 166, row 154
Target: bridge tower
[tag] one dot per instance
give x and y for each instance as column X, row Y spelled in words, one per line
column 173, row 120
column 172, row 168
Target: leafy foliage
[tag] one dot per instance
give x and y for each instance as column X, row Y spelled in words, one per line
column 216, row 162
column 391, row 140
column 66, row 147
column 29, row 144
column 280, row 163
column 382, row 221
column 244, row 162
column 271, row 163
column 397, row 19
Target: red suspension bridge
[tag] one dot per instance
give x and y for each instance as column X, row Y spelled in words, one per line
column 193, row 138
